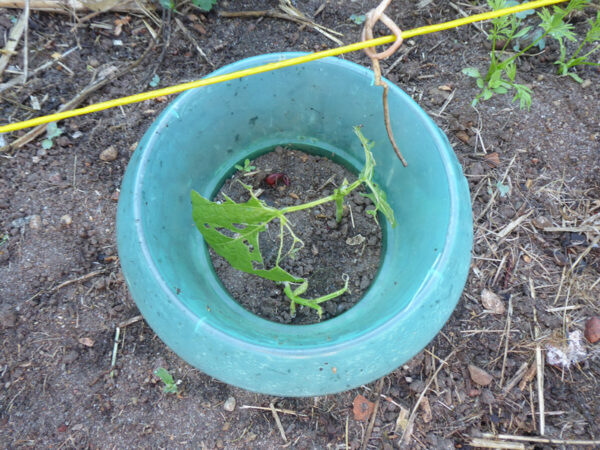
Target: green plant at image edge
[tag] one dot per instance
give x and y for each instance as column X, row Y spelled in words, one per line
column 232, row 229
column 501, row 75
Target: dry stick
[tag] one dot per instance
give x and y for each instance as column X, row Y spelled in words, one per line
column 131, row 321
column 26, row 43
column 15, row 80
column 13, row 40
column 31, row 135
column 277, row 421
column 275, row 14
column 406, row 433
column 279, row 410
column 67, row 283
column 541, row 440
column 514, row 380
column 493, row 197
column 540, row 376
column 507, row 338
column 60, row 7
column 374, row 415
column 487, row 443
column 188, row 35
column 374, row 16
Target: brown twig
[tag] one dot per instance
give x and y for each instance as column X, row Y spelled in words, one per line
column 374, row 16
column 373, row 415
column 75, row 101
column 13, row 40
column 188, row 35
column 407, row 432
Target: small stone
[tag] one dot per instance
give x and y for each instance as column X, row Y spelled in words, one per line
column 229, row 404
column 35, row 222
column 362, row 408
column 417, row 386
column 8, row 319
column 541, row 222
column 88, row 342
column 70, row 357
column 592, row 330
column 487, row 397
column 66, row 220
column 479, row 376
column 115, row 196
column 356, row 240
column 463, row 136
column 560, row 258
column 492, row 302
column 109, row 154
column 586, row 83
column 55, row 178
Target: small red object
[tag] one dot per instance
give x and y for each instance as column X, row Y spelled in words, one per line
column 273, row 178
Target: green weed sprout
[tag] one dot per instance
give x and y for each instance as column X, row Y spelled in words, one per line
column 239, row 245
column 501, row 75
column 170, row 386
column 246, row 167
column 52, row 131
column 204, row 5
column 592, row 36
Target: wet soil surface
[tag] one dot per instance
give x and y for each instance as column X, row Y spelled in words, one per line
column 331, row 250
column 535, row 185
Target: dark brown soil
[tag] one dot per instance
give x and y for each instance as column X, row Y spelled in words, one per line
column 60, row 280
column 352, row 247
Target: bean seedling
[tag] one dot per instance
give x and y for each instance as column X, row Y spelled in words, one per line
column 246, row 167
column 506, row 31
column 232, row 230
column 170, row 386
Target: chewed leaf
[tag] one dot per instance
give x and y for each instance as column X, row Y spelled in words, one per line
column 244, row 221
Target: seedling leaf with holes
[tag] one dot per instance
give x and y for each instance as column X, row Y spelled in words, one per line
column 245, row 221
column 233, row 229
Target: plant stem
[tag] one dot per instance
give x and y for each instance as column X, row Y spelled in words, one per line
column 320, row 201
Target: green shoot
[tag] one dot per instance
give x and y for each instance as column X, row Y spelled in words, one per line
column 501, row 75
column 170, row 386
column 592, row 37
column 204, row 5
column 246, row 167
column 52, row 131
column 232, row 229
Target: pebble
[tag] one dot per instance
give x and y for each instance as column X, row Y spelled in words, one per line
column 109, row 154
column 66, row 220
column 35, row 222
column 229, row 404
column 479, row 376
column 8, row 319
column 592, row 330
column 70, row 357
column 542, row 222
column 586, row 83
column 560, row 258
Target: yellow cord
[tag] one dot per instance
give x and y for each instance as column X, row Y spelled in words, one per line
column 273, row 66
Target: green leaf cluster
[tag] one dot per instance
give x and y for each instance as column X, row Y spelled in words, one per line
column 233, row 229
column 507, row 32
column 204, row 5
column 592, row 37
column 52, row 131
column 170, row 386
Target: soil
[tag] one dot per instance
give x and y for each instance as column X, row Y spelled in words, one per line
column 535, row 186
column 351, row 247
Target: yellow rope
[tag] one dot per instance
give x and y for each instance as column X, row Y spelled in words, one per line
column 273, row 66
